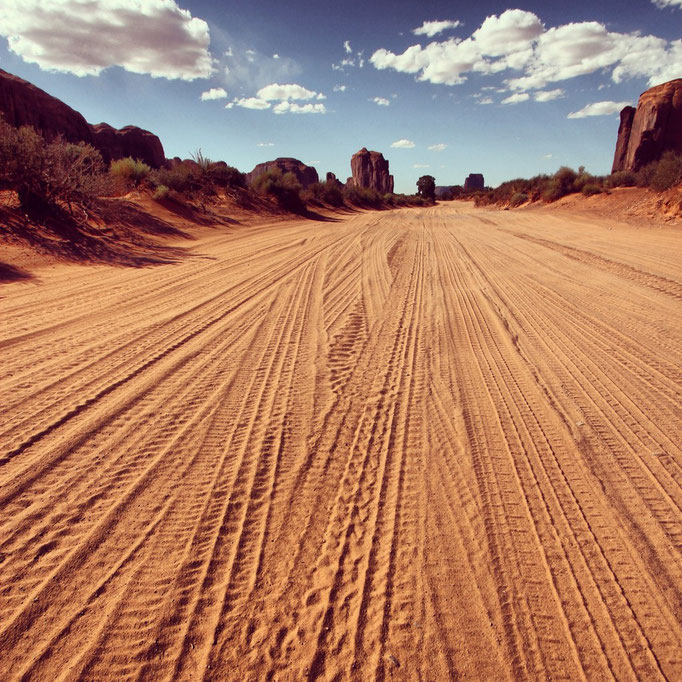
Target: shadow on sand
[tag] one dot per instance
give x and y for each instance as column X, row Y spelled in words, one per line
column 11, row 273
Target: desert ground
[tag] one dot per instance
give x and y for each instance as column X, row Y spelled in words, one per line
column 421, row 444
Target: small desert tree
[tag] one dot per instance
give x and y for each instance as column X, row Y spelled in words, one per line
column 426, row 187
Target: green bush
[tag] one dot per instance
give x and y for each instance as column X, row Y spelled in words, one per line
column 161, row 192
column 517, row 199
column 620, row 179
column 49, row 175
column 666, row 172
column 129, row 171
column 362, row 196
column 285, row 187
column 590, row 189
column 183, row 178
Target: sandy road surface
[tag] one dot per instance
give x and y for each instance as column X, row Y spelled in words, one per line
column 425, row 444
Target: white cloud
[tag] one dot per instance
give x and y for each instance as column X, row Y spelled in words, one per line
column 517, row 41
column 253, row 69
column 516, row 98
column 421, row 165
column 154, row 37
column 275, row 91
column 251, row 103
column 485, row 100
column 265, row 144
column 403, row 144
column 432, row 28
column 381, row 101
column 275, row 56
column 599, row 109
column 340, row 88
column 286, row 107
column 548, row 95
column 213, row 93
column 667, row 3
column 437, row 147
column 547, row 156
column 347, row 47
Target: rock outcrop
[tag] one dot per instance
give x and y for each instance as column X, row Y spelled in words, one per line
column 331, row 179
column 128, row 141
column 370, row 170
column 24, row 104
column 474, row 181
column 653, row 128
column 306, row 175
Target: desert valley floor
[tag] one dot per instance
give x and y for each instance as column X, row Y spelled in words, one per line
column 424, row 444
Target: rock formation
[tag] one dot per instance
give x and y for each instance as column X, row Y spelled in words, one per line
column 128, row 141
column 23, row 104
column 306, row 175
column 651, row 129
column 331, row 179
column 474, row 181
column 370, row 170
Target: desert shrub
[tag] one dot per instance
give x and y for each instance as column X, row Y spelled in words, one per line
column 223, row 175
column 285, row 187
column 129, row 171
column 161, row 192
column 362, row 196
column 666, row 172
column 590, row 189
column 183, row 178
column 47, row 175
column 517, row 199
column 326, row 192
column 620, row 179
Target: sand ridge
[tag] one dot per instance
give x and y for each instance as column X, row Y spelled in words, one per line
column 417, row 444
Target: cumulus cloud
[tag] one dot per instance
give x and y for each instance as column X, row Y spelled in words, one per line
column 213, row 93
column 599, row 109
column 516, row 98
column 250, row 103
column 340, row 88
column 265, row 144
column 518, row 41
column 381, row 101
column 154, row 37
column 347, row 47
column 548, row 95
column 667, row 3
column 485, row 100
column 432, row 28
column 437, row 147
column 275, row 91
column 286, row 107
column 403, row 144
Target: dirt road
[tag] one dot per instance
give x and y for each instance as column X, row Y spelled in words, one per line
column 423, row 444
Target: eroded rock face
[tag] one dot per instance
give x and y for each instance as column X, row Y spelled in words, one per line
column 306, row 175
column 331, row 179
column 474, row 181
column 23, row 104
column 128, row 141
column 370, row 170
column 653, row 128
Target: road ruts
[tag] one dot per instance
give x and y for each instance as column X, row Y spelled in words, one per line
column 435, row 443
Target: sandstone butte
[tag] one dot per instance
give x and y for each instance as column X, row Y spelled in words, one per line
column 474, row 181
column 306, row 175
column 24, row 104
column 654, row 127
column 370, row 170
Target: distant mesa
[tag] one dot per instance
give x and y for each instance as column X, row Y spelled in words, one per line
column 24, row 104
column 331, row 179
column 306, row 175
column 474, row 181
column 654, row 127
column 370, row 170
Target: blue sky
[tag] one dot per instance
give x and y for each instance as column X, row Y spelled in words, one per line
column 445, row 88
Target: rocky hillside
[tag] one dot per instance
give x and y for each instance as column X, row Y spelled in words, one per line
column 24, row 104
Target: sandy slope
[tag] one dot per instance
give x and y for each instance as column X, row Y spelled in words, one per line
column 423, row 444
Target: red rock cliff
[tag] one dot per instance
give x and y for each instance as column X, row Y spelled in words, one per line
column 653, row 128
column 23, row 104
column 370, row 169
